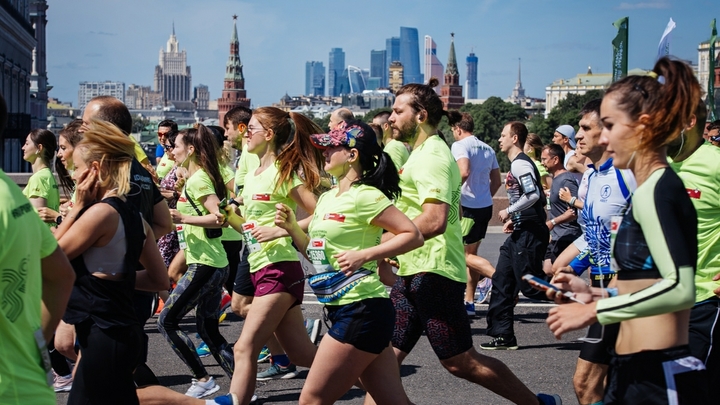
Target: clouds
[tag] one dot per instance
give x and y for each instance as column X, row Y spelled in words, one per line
column 644, row 5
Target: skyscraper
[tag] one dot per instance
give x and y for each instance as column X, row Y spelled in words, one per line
column 336, row 65
column 392, row 52
column 410, row 55
column 432, row 65
column 451, row 94
column 471, row 75
column 233, row 93
column 172, row 74
column 314, row 78
column 378, row 69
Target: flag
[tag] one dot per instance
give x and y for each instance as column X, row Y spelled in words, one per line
column 620, row 49
column 664, row 45
column 711, row 74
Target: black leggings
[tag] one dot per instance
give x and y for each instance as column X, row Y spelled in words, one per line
column 232, row 251
column 104, row 373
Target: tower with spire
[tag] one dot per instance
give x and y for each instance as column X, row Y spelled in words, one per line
column 451, row 91
column 233, row 93
column 518, row 93
column 172, row 74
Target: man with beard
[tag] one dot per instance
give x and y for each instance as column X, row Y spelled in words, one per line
column 698, row 165
column 428, row 294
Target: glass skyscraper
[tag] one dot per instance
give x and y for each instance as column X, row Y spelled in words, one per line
column 471, row 81
column 314, row 78
column 410, row 55
column 336, row 65
column 378, row 69
column 392, row 52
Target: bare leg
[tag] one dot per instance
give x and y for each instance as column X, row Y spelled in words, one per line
column 399, row 357
column 177, row 267
column 490, row 373
column 477, row 267
column 565, row 258
column 589, row 381
column 381, row 379
column 159, row 395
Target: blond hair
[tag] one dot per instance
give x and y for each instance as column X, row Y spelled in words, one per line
column 114, row 151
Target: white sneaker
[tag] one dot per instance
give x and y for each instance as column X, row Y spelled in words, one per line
column 200, row 389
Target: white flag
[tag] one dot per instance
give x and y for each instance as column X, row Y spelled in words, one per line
column 664, row 45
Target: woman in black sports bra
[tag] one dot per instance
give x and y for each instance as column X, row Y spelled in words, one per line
column 654, row 247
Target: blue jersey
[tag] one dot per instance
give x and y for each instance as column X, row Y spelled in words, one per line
column 608, row 194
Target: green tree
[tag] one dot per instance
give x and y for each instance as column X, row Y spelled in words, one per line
column 567, row 111
column 368, row 117
column 139, row 123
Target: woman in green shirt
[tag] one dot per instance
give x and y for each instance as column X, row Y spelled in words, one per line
column 344, row 246
column 41, row 190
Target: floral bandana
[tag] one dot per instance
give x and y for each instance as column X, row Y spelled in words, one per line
column 342, row 135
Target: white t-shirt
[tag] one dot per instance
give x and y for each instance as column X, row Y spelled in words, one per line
column 476, row 189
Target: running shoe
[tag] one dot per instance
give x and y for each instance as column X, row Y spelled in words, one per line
column 500, row 343
column 62, row 384
column 225, row 301
column 276, row 372
column 200, row 389
column 550, row 399
column 202, row 350
column 222, row 317
column 313, row 328
column 482, row 293
column 470, row 309
column 264, row 356
column 228, row 399
column 227, row 353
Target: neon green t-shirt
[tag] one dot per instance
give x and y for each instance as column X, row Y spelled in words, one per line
column 260, row 197
column 200, row 249
column 431, row 173
column 25, row 241
column 228, row 233
column 43, row 185
column 140, row 154
column 398, row 152
column 700, row 173
column 163, row 168
column 344, row 223
column 248, row 163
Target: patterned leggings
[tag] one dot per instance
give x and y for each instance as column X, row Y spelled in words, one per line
column 200, row 288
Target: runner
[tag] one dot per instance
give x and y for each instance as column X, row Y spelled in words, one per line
column 41, row 190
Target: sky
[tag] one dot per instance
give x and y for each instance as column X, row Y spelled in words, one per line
column 91, row 40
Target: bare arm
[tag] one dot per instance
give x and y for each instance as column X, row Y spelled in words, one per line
column 95, row 227
column 155, row 276
column 464, row 166
column 494, row 181
column 210, row 202
column 431, row 222
column 162, row 222
column 58, row 278
column 38, row 202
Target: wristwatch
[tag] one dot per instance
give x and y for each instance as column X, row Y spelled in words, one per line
column 59, row 219
column 552, row 221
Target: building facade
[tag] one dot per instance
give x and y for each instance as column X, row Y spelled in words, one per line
column 378, row 69
column 392, row 53
column 172, row 74
column 314, row 78
column 451, row 92
column 471, row 75
column 38, row 79
column 142, row 97
column 410, row 55
column 703, row 72
column 88, row 90
column 233, row 93
column 336, row 65
column 395, row 72
column 432, row 65
column 201, row 97
column 580, row 84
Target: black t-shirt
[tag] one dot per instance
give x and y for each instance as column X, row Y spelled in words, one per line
column 143, row 194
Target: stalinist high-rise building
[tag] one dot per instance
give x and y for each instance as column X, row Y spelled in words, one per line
column 172, row 76
column 233, row 93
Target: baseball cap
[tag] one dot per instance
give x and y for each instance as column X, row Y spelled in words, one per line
column 568, row 132
column 347, row 133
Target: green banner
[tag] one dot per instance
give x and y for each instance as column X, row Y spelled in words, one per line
column 620, row 49
column 711, row 74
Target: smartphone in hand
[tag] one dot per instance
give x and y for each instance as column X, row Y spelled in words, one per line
column 542, row 285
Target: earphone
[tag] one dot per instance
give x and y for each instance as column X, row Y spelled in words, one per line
column 352, row 154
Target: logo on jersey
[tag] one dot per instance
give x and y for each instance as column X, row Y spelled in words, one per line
column 317, row 243
column 182, row 199
column 694, row 193
column 261, row 197
column 334, row 217
column 605, row 191
column 401, row 170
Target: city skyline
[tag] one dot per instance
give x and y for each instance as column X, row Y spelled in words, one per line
column 275, row 42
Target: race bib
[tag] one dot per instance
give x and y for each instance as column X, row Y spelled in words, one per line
column 251, row 243
column 181, row 236
column 318, row 257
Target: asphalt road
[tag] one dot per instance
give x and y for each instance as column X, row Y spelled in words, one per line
column 543, row 363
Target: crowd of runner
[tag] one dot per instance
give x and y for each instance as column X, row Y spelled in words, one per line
column 388, row 219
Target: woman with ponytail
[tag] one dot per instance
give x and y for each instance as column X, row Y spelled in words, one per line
column 41, row 190
column 654, row 247
column 200, row 288
column 344, row 247
column 105, row 237
column 289, row 174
